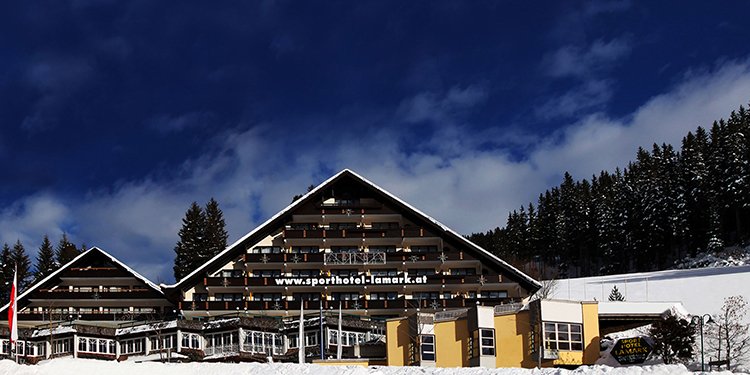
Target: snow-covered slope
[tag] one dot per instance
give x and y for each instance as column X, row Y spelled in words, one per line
column 69, row 366
column 701, row 290
column 730, row 257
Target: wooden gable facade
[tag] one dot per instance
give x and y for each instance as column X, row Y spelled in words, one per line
column 93, row 287
column 348, row 242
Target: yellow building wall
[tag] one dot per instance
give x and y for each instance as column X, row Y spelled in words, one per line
column 397, row 342
column 512, row 340
column 590, row 332
column 452, row 343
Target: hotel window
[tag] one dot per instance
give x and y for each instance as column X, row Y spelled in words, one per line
column 421, row 271
column 266, row 296
column 311, row 338
column 101, row 346
column 427, row 347
column 344, row 249
column 383, row 295
column 166, row 342
column 306, row 296
column 190, row 340
column 496, row 294
column 482, row 342
column 345, row 296
column 342, row 226
column 463, row 271
column 563, row 336
column 382, row 249
column 303, row 226
column 386, row 225
column 384, row 272
column 231, row 273
column 305, row 249
column 266, row 250
column 306, row 273
column 200, row 297
column 447, row 295
column 62, row 346
column 132, row 346
column 267, row 273
column 425, row 249
column 425, row 295
column 227, row 297
column 344, row 273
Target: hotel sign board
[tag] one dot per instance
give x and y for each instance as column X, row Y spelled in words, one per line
column 351, row 280
column 630, row 351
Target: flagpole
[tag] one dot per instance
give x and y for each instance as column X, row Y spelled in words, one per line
column 13, row 315
column 322, row 335
column 301, row 332
column 340, row 348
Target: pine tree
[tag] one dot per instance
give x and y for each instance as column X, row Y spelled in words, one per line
column 673, row 339
column 191, row 246
column 694, row 170
column 23, row 266
column 65, row 251
column 215, row 230
column 615, row 294
column 6, row 273
column 45, row 260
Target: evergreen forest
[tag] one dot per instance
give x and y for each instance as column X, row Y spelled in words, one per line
column 665, row 205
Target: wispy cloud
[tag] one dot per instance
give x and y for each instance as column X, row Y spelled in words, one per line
column 254, row 173
column 440, row 107
column 53, row 80
column 168, row 123
column 588, row 67
column 586, row 61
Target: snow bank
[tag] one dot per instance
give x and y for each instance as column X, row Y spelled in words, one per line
column 70, row 366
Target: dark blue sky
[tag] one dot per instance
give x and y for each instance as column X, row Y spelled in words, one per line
column 119, row 114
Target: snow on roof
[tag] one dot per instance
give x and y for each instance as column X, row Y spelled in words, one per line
column 622, row 308
column 376, row 187
column 153, row 326
column 54, row 331
column 81, row 255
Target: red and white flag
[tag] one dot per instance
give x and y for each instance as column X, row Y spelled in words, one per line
column 12, row 310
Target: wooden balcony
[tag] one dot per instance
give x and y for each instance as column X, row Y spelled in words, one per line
column 67, row 295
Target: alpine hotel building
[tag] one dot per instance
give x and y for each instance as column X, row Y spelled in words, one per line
column 346, row 244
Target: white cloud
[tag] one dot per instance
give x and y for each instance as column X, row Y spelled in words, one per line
column 254, row 172
column 30, row 218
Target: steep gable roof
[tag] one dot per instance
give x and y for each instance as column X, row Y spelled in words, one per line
column 262, row 230
column 81, row 258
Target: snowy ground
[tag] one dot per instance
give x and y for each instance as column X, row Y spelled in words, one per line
column 70, row 366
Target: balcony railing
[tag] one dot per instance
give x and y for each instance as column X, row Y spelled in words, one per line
column 355, row 258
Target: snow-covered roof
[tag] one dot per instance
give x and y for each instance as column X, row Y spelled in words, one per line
column 44, row 332
column 76, row 259
column 325, row 183
column 147, row 327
